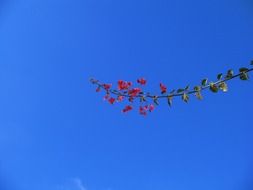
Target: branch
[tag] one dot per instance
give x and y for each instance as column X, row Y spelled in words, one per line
column 126, row 90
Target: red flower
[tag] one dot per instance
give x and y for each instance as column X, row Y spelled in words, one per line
column 107, row 96
column 98, row 89
column 163, row 88
column 142, row 81
column 127, row 108
column 142, row 110
column 129, row 84
column 107, row 86
column 134, row 92
column 111, row 100
column 123, row 85
column 151, row 107
column 120, row 98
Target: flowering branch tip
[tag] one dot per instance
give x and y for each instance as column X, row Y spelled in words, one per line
column 128, row 91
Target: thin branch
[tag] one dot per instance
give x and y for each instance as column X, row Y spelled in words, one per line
column 149, row 95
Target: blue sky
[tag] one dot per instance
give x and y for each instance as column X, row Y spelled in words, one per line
column 56, row 133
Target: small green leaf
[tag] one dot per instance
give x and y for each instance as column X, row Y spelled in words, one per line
column 219, row 76
column 185, row 97
column 244, row 76
column 204, row 82
column 180, row 90
column 230, row 74
column 243, row 69
column 170, row 100
column 198, row 95
column 170, row 97
column 142, row 99
column 223, row 86
column 197, row 88
column 155, row 99
column 187, row 87
column 214, row 87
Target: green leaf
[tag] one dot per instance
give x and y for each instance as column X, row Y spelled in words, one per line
column 214, row 88
column 204, row 82
column 170, row 97
column 180, row 90
column 187, row 87
column 155, row 99
column 170, row 100
column 142, row 99
column 185, row 97
column 244, row 76
column 219, row 76
column 243, row 69
column 230, row 74
column 197, row 88
column 223, row 86
column 198, row 95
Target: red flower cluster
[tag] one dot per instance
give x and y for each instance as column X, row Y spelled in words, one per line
column 107, row 86
column 111, row 100
column 141, row 81
column 143, row 109
column 127, row 108
column 163, row 88
column 126, row 90
column 120, row 98
column 123, row 85
column 134, row 92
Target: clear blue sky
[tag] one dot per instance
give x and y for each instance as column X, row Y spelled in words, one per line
column 56, row 133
